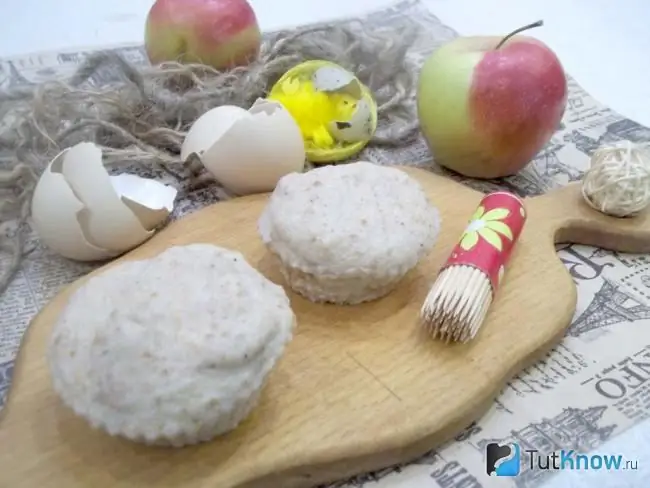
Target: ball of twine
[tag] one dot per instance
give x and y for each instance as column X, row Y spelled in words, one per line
column 618, row 180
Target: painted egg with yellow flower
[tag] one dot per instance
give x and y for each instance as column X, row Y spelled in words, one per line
column 336, row 113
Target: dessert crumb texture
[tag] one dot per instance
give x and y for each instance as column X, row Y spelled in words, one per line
column 348, row 233
column 171, row 350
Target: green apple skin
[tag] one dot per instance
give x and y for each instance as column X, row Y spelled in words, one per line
column 486, row 112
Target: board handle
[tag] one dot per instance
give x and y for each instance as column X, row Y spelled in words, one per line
column 571, row 220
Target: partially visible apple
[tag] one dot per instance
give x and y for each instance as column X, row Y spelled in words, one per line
column 488, row 105
column 219, row 33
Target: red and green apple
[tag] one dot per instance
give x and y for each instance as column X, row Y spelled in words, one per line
column 488, row 105
column 219, row 33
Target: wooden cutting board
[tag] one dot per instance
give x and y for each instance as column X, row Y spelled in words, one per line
column 359, row 387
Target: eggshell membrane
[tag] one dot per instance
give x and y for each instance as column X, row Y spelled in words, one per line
column 209, row 127
column 150, row 200
column 257, row 150
column 111, row 225
column 54, row 216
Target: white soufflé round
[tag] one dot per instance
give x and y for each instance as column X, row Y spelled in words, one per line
column 348, row 233
column 172, row 350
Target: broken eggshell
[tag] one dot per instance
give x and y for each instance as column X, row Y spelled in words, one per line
column 358, row 128
column 80, row 212
column 209, row 127
column 150, row 200
column 333, row 79
column 247, row 151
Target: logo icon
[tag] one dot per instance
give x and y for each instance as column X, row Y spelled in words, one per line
column 503, row 459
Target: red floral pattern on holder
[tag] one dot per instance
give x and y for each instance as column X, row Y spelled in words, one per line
column 491, row 234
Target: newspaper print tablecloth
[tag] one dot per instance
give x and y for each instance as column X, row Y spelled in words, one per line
column 590, row 388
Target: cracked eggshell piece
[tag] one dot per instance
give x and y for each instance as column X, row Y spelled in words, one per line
column 79, row 212
column 54, row 213
column 255, row 151
column 358, row 128
column 209, row 127
column 336, row 79
column 150, row 200
column 110, row 223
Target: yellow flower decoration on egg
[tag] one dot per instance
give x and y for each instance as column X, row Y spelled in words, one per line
column 487, row 225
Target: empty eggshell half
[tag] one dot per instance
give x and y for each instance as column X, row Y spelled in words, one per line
column 256, row 150
column 84, row 214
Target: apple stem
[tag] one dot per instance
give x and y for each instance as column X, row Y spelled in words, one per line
column 539, row 23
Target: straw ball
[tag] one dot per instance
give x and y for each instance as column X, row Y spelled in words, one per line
column 618, row 180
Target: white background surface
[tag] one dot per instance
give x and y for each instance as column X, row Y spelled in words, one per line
column 603, row 44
